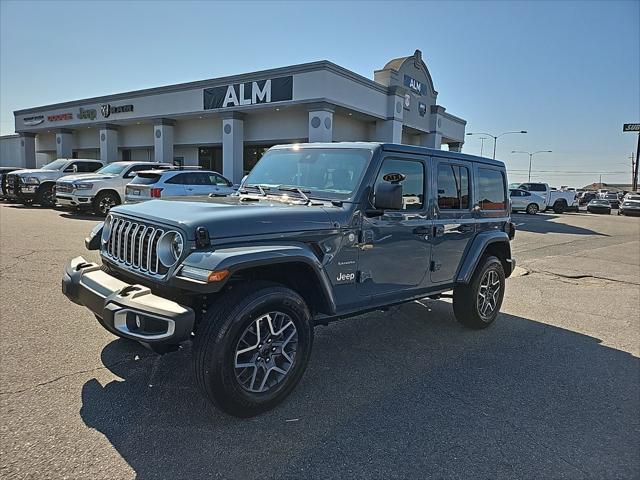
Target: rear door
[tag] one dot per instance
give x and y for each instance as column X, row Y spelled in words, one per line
column 454, row 217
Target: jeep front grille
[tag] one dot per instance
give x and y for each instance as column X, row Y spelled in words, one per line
column 135, row 246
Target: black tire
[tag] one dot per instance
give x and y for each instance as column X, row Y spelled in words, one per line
column 532, row 209
column 46, row 196
column 217, row 341
column 466, row 297
column 104, row 201
column 559, row 206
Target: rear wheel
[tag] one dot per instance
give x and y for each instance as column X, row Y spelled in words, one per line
column 476, row 304
column 46, row 196
column 252, row 348
column 104, row 201
column 532, row 208
column 560, row 206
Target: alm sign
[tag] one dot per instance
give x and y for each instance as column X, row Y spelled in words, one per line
column 249, row 93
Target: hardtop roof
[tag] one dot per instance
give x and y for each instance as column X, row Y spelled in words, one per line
column 400, row 148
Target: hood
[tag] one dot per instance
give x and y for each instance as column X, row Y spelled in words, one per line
column 233, row 216
column 25, row 172
column 86, row 176
column 39, row 173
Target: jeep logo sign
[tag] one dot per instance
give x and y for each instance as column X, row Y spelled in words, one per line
column 249, row 93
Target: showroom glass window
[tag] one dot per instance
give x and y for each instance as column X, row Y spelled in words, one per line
column 491, row 189
column 412, row 185
column 453, row 187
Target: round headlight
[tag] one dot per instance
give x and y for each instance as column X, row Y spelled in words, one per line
column 106, row 229
column 170, row 248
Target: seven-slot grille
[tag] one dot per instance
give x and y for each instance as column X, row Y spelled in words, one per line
column 64, row 187
column 135, row 246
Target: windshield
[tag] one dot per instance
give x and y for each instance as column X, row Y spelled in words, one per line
column 55, row 165
column 322, row 172
column 113, row 169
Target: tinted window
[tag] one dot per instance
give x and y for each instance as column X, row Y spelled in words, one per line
column 453, row 187
column 87, row 167
column 491, row 189
column 218, row 180
column 412, row 185
column 145, row 179
column 179, row 179
column 515, row 193
column 136, row 168
column 534, row 187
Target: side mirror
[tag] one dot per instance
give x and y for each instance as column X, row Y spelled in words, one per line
column 74, row 168
column 388, row 196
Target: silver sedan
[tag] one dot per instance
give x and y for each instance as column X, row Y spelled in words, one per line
column 522, row 200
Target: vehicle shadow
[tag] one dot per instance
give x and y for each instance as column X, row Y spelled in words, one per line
column 543, row 223
column 80, row 216
column 403, row 394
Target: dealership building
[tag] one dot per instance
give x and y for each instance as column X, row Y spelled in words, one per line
column 225, row 124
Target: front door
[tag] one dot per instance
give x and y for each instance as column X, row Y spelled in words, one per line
column 454, row 221
column 395, row 246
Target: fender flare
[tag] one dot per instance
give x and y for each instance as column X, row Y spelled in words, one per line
column 237, row 259
column 475, row 251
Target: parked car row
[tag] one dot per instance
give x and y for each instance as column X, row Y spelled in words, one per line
column 83, row 184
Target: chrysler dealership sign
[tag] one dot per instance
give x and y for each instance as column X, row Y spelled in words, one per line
column 249, row 93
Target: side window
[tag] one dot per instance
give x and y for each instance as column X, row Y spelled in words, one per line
column 180, row 179
column 136, row 168
column 525, row 194
column 89, row 167
column 453, row 187
column 218, row 180
column 412, row 185
column 70, row 168
column 515, row 193
column 491, row 189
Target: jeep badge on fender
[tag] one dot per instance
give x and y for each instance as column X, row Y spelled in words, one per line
column 317, row 232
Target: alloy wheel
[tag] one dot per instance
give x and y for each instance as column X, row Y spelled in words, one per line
column 532, row 209
column 488, row 294
column 266, row 352
column 106, row 203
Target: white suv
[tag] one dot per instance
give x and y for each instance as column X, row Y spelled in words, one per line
column 103, row 189
column 177, row 183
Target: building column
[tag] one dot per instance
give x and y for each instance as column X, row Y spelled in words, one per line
column 64, row 143
column 431, row 140
column 163, row 140
column 390, row 130
column 456, row 146
column 233, row 146
column 321, row 122
column 108, row 143
column 28, row 150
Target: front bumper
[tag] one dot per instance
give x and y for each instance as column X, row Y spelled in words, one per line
column 126, row 310
column 74, row 201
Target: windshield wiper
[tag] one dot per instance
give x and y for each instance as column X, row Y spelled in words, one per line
column 299, row 191
column 260, row 188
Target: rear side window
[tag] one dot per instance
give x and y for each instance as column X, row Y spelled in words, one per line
column 412, row 185
column 491, row 188
column 180, row 179
column 145, row 179
column 453, row 187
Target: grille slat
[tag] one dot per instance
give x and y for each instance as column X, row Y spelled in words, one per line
column 135, row 246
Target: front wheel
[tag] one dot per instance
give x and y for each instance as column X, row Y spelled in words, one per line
column 252, row 348
column 476, row 304
column 532, row 209
column 104, row 202
column 46, row 197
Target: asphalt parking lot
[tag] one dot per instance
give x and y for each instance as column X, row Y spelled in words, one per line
column 551, row 390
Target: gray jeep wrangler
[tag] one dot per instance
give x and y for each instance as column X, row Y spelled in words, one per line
column 317, row 232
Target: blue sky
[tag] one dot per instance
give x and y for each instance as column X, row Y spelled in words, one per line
column 567, row 72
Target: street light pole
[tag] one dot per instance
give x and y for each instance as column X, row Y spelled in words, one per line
column 495, row 138
column 531, row 157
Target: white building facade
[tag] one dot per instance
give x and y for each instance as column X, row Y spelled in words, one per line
column 225, row 124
